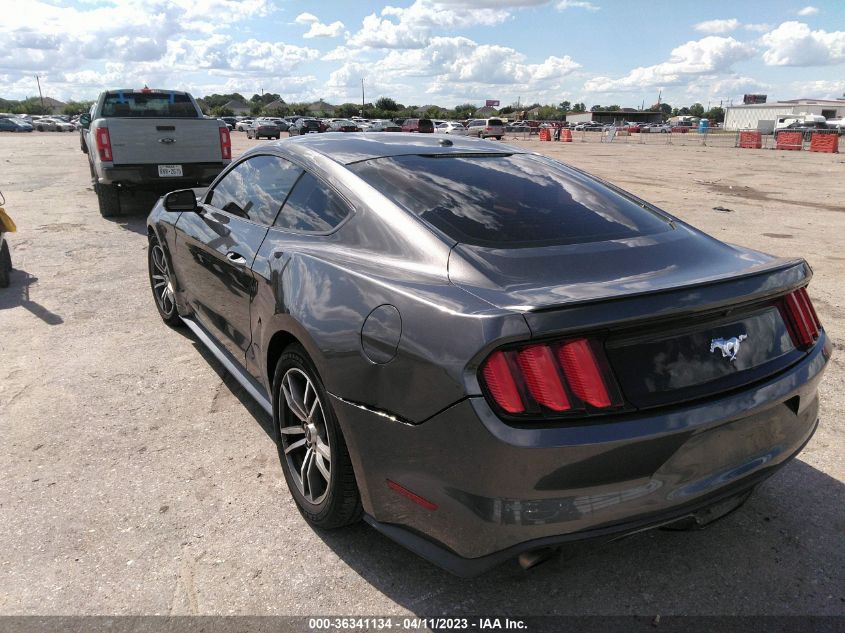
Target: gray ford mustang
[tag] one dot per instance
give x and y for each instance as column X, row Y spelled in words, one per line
column 486, row 353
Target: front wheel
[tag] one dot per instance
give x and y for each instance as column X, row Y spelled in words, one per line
column 161, row 283
column 313, row 453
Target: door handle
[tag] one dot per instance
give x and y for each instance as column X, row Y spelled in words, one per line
column 236, row 258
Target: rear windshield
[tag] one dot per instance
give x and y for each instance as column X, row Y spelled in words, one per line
column 508, row 201
column 494, row 122
column 162, row 105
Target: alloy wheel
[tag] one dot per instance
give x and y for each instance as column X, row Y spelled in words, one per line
column 162, row 285
column 305, row 436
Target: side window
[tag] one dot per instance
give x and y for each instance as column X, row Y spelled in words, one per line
column 256, row 188
column 312, row 207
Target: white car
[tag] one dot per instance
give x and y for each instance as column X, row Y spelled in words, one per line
column 243, row 125
column 49, row 124
column 450, row 127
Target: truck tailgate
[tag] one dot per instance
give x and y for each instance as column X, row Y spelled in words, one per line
column 136, row 141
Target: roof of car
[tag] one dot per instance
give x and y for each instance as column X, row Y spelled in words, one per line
column 346, row 148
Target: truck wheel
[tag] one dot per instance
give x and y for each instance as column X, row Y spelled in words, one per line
column 5, row 265
column 83, row 146
column 108, row 197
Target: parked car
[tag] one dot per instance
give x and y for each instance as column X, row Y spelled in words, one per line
column 487, row 353
column 450, row 127
column 150, row 139
column 422, row 126
column 230, row 121
column 656, row 128
column 486, row 128
column 807, row 128
column 281, row 123
column 305, row 126
column 50, row 124
column 244, row 124
column 343, row 125
column 383, row 125
column 13, row 124
column 263, row 128
column 589, row 126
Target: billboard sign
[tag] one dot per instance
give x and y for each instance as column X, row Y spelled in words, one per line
column 492, row 103
column 746, row 99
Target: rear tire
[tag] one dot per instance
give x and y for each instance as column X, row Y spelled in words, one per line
column 5, row 265
column 108, row 199
column 310, row 442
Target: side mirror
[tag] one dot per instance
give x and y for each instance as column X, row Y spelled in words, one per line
column 85, row 120
column 181, row 200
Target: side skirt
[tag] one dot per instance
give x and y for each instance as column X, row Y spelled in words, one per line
column 246, row 381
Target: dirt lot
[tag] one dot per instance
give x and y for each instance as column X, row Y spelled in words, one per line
column 136, row 477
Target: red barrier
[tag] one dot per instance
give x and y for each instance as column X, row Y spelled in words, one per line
column 566, row 135
column 824, row 143
column 751, row 140
column 793, row 141
column 545, row 134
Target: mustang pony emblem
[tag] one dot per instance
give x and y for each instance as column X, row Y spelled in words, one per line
column 729, row 347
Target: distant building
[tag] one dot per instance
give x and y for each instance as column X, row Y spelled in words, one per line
column 616, row 116
column 237, row 107
column 485, row 112
column 420, row 111
column 321, row 107
column 278, row 104
column 762, row 116
column 54, row 106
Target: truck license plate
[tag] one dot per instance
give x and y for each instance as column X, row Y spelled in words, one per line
column 166, row 171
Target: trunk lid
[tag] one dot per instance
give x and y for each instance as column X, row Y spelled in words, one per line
column 681, row 315
column 138, row 140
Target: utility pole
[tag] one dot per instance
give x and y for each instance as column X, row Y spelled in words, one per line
column 40, row 96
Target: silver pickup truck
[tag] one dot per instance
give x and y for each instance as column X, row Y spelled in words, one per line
column 150, row 139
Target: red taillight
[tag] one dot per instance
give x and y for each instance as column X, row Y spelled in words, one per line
column 801, row 318
column 225, row 143
column 541, row 377
column 103, row 143
column 582, row 370
column 500, row 382
column 559, row 377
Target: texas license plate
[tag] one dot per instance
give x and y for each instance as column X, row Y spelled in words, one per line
column 168, row 171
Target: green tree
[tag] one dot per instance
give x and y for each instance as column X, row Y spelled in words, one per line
column 255, row 108
column 386, row 104
column 566, row 106
column 77, row 107
column 612, row 108
column 715, row 114
column 696, row 109
column 597, row 108
column 222, row 111
column 579, row 107
column 465, row 110
column 506, row 110
column 685, row 111
column 346, row 110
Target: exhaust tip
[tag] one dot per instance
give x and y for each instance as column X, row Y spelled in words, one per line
column 534, row 557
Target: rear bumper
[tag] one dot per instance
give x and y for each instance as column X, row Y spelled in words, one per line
column 146, row 175
column 501, row 490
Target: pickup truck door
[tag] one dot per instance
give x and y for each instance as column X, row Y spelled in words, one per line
column 216, row 247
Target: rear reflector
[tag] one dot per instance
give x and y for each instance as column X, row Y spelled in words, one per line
column 572, row 375
column 402, row 490
column 580, row 366
column 501, row 384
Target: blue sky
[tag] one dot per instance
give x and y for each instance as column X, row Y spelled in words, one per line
column 430, row 51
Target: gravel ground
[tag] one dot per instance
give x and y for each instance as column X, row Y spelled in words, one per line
column 138, row 478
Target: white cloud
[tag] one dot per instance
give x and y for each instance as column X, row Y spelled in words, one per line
column 563, row 5
column 761, row 27
column 717, row 26
column 808, row 10
column 411, row 27
column 819, row 89
column 794, row 44
column 317, row 28
column 710, row 55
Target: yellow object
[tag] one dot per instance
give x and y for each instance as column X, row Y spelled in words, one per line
column 7, row 225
